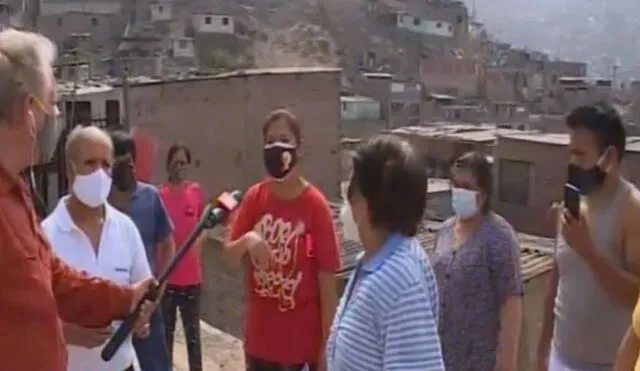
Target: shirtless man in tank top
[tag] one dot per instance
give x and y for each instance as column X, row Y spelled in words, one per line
column 594, row 284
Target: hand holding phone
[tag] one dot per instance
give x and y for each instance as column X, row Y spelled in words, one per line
column 572, row 199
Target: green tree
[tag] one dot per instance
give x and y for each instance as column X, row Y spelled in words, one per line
column 218, row 60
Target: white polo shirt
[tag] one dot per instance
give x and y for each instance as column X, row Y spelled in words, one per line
column 121, row 258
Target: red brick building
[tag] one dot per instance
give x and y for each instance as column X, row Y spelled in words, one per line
column 220, row 118
column 530, row 172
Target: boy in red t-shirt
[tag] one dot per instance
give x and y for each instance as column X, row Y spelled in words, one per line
column 284, row 226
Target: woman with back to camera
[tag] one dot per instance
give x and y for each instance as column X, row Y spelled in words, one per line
column 284, row 226
column 476, row 262
column 184, row 201
column 387, row 317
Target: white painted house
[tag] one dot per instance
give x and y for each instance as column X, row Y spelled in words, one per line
column 183, row 47
column 162, row 11
column 213, row 23
column 426, row 27
column 100, row 7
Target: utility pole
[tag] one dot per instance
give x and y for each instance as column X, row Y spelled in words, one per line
column 124, row 76
column 32, row 8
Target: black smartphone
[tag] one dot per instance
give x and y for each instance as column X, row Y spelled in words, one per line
column 572, row 199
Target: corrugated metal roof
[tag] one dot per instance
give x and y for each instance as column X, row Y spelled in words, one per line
column 359, row 98
column 536, row 255
column 559, row 139
column 441, row 96
column 66, row 88
column 279, row 71
column 481, row 133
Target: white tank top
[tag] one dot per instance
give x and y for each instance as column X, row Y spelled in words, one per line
column 589, row 325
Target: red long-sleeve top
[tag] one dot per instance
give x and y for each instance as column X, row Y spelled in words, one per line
column 38, row 290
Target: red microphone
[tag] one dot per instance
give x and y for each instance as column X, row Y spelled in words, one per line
column 215, row 213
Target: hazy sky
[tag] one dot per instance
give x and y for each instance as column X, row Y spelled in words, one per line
column 597, row 31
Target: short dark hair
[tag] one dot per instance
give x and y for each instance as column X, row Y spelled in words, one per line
column 175, row 148
column 389, row 174
column 479, row 166
column 123, row 143
column 604, row 122
column 288, row 117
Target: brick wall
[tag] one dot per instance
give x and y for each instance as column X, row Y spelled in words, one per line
column 221, row 118
column 58, row 27
column 223, row 292
column 547, row 175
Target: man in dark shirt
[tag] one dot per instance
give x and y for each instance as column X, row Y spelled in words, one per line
column 142, row 202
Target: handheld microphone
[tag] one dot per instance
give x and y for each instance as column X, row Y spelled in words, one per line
column 214, row 214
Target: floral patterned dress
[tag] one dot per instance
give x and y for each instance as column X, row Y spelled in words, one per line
column 474, row 280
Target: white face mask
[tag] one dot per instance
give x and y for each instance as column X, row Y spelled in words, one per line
column 349, row 226
column 464, row 202
column 92, row 189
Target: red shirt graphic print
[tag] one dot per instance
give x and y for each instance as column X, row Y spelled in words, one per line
column 283, row 321
column 284, row 275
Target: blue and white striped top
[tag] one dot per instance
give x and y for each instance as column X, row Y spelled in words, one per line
column 387, row 318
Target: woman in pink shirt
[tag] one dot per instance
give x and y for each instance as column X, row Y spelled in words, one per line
column 184, row 202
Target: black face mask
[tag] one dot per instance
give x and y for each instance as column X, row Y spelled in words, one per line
column 123, row 176
column 587, row 180
column 280, row 159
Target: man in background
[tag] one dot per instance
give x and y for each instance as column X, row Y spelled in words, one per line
column 92, row 236
column 142, row 202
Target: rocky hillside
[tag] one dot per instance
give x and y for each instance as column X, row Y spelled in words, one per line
column 600, row 32
column 288, row 33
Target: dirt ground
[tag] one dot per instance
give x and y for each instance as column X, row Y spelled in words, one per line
column 220, row 351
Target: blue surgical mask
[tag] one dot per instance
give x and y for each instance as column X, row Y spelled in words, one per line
column 464, row 202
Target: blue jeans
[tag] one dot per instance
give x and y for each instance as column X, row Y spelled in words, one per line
column 152, row 351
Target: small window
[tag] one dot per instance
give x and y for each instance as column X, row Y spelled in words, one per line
column 460, row 19
column 371, row 59
column 514, row 178
column 182, row 44
column 160, row 9
column 344, row 106
column 416, row 21
column 207, row 20
column 439, row 25
column 112, row 109
column 554, row 79
column 94, row 21
column 59, row 22
column 450, row 28
column 225, row 21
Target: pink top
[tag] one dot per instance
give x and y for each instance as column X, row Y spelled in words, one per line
column 185, row 205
